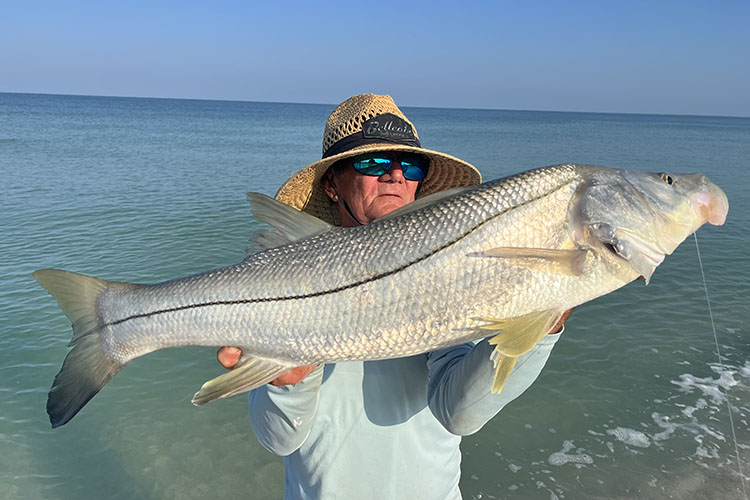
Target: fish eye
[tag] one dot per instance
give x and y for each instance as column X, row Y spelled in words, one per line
column 666, row 178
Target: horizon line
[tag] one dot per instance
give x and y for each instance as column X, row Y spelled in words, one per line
column 404, row 105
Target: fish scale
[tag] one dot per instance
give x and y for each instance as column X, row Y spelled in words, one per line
column 501, row 259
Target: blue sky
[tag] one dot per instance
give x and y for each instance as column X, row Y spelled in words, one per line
column 681, row 57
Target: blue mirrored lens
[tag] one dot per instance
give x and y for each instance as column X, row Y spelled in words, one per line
column 412, row 172
column 413, row 167
column 372, row 166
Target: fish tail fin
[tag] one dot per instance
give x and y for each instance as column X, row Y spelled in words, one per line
column 86, row 368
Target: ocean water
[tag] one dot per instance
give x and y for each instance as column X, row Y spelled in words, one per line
column 634, row 402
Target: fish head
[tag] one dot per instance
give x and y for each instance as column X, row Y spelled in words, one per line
column 640, row 217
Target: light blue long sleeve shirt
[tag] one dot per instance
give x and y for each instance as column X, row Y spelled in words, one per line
column 386, row 429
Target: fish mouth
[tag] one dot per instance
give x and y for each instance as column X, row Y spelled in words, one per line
column 712, row 204
column 643, row 255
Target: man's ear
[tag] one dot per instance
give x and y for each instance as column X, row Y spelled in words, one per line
column 330, row 188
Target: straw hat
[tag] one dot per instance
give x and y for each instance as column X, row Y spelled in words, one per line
column 362, row 124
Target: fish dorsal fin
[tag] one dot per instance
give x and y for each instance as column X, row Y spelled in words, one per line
column 289, row 223
column 424, row 202
column 567, row 262
column 517, row 337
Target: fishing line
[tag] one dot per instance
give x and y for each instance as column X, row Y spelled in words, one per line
column 721, row 365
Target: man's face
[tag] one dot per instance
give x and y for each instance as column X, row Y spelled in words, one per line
column 368, row 196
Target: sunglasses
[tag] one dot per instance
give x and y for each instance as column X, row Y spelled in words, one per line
column 413, row 166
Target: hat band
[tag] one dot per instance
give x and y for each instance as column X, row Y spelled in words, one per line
column 358, row 139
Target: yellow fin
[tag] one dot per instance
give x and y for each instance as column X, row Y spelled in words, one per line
column 503, row 366
column 567, row 262
column 519, row 335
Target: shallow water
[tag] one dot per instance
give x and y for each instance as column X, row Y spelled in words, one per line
column 632, row 404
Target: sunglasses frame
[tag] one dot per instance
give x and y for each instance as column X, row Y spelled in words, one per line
column 422, row 165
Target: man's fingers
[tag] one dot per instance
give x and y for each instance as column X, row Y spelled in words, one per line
column 293, row 376
column 228, row 356
column 559, row 325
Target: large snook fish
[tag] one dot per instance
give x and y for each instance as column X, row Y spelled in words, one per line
column 502, row 259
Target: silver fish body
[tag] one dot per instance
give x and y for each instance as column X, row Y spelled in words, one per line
column 504, row 258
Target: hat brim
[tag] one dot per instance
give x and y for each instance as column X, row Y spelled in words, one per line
column 304, row 190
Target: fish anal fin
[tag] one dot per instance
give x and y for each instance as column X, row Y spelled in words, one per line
column 250, row 372
column 556, row 261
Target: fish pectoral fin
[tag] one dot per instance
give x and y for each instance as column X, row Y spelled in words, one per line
column 289, row 223
column 567, row 262
column 517, row 336
column 250, row 373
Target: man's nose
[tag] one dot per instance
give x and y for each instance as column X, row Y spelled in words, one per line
column 394, row 174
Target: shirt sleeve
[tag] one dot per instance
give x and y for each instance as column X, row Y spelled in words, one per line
column 282, row 416
column 460, row 382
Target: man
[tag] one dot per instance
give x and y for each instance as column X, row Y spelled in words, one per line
column 391, row 428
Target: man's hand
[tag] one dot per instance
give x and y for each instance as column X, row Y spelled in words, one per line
column 559, row 325
column 228, row 357
column 293, row 376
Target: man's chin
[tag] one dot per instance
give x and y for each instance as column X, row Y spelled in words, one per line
column 387, row 204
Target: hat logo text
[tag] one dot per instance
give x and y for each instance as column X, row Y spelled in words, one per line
column 388, row 126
